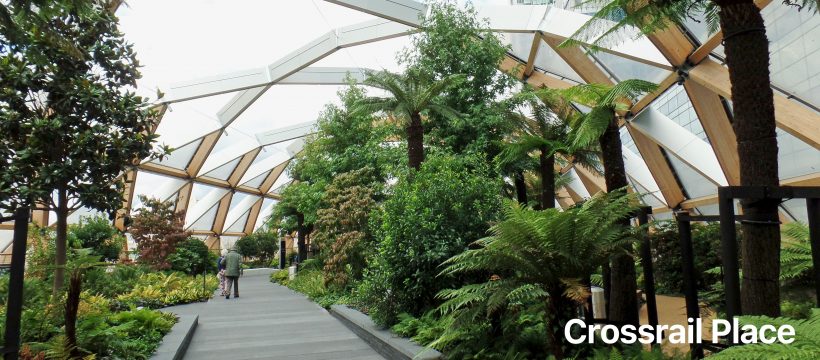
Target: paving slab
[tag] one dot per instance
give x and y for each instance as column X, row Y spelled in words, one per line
column 269, row 321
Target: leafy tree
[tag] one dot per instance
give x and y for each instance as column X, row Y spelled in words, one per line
column 345, row 140
column 600, row 125
column 262, row 245
column 410, row 95
column 157, row 230
column 747, row 58
column 455, row 41
column 192, row 257
column 343, row 230
column 69, row 120
column 423, row 223
column 97, row 234
column 536, row 257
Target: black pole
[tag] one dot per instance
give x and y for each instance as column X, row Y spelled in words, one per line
column 648, row 272
column 813, row 209
column 14, row 304
column 728, row 246
column 282, row 254
column 690, row 287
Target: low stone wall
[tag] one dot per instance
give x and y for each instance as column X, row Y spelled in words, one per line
column 385, row 342
column 175, row 343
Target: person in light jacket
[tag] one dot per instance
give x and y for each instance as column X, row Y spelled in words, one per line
column 220, row 267
column 233, row 261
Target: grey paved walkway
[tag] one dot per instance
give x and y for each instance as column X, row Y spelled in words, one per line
column 269, row 321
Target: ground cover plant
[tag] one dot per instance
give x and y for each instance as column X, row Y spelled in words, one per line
column 108, row 309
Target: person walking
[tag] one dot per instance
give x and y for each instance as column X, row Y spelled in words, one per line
column 220, row 268
column 233, row 261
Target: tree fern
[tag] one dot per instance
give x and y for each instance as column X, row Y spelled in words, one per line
column 806, row 343
column 535, row 257
column 795, row 254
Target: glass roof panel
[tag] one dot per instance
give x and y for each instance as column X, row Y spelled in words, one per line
column 153, row 186
column 265, row 212
column 794, row 43
column 795, row 157
column 181, row 156
column 796, row 209
column 675, row 104
column 227, row 242
column 239, row 225
column 695, row 184
column 224, row 171
column 624, row 68
column 285, row 105
column 206, row 222
column 379, row 55
column 186, row 121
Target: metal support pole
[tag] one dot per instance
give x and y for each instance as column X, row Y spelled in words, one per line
column 14, row 304
column 648, row 272
column 690, row 287
column 282, row 254
column 728, row 246
column 813, row 209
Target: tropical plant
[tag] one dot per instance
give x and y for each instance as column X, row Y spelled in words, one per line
column 806, row 343
column 753, row 117
column 410, row 97
column 454, row 40
column 70, row 121
column 601, row 124
column 795, row 255
column 157, row 229
column 546, row 131
column 537, row 257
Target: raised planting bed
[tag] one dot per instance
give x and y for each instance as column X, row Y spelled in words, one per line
column 385, row 342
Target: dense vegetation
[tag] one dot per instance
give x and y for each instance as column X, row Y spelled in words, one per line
column 398, row 195
column 114, row 314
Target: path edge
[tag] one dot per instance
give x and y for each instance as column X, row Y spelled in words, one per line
column 383, row 341
column 175, row 343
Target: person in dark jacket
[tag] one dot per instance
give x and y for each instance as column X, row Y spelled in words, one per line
column 233, row 261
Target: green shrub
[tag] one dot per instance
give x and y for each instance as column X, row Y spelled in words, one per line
column 432, row 215
column 155, row 290
column 114, row 281
column 309, row 282
column 99, row 235
column 193, row 257
column 263, row 245
column 280, row 277
column 667, row 262
column 796, row 309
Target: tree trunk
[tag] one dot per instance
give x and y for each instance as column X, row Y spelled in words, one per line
column 623, row 301
column 301, row 237
column 747, row 56
column 60, row 240
column 415, row 142
column 520, row 188
column 72, row 305
column 547, row 169
column 554, row 312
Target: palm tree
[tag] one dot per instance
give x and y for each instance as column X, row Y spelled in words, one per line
column 410, row 95
column 600, row 125
column 747, row 58
column 545, row 131
column 536, row 257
